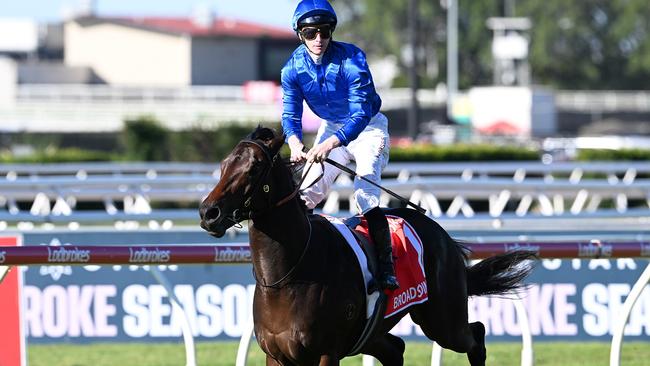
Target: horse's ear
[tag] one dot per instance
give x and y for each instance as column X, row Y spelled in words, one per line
column 276, row 143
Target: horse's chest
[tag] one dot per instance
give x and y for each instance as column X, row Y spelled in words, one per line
column 292, row 345
column 289, row 340
column 289, row 318
column 301, row 324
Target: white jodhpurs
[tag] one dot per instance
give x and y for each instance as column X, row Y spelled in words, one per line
column 370, row 153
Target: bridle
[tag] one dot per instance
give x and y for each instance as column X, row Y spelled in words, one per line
column 247, row 212
column 271, row 160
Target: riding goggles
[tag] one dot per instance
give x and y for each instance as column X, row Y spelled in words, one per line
column 309, row 33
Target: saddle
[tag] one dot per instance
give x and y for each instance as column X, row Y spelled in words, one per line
column 373, row 293
column 368, row 249
column 409, row 268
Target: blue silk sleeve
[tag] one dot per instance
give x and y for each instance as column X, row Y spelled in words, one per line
column 292, row 99
column 360, row 88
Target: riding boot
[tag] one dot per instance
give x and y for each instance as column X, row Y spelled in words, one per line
column 380, row 234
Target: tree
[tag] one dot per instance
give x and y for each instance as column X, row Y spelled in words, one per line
column 599, row 44
column 594, row 44
column 380, row 28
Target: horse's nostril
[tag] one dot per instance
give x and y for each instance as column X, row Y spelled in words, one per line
column 202, row 210
column 211, row 213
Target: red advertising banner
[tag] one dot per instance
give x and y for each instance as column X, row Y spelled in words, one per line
column 12, row 352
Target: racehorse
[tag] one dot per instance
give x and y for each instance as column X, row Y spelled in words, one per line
column 309, row 300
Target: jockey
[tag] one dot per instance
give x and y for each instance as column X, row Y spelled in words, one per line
column 334, row 80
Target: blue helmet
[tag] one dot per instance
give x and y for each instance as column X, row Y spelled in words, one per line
column 311, row 12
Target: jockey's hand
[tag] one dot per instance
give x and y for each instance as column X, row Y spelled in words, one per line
column 296, row 146
column 319, row 152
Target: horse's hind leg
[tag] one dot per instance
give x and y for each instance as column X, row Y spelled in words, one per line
column 388, row 349
column 477, row 354
column 449, row 328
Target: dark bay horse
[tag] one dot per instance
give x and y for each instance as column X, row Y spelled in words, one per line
column 309, row 302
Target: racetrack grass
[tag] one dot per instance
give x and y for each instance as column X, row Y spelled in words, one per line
column 417, row 353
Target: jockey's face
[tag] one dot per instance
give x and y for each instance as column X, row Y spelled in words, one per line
column 316, row 38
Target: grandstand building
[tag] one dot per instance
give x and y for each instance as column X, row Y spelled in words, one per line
column 176, row 51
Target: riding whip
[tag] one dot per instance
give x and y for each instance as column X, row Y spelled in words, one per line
column 354, row 174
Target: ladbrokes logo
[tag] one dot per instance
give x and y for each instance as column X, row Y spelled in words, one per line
column 588, row 250
column 595, row 249
column 526, row 246
column 228, row 254
column 606, row 250
column 144, row 255
column 67, row 255
column 3, row 256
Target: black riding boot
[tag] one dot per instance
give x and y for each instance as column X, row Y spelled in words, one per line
column 378, row 228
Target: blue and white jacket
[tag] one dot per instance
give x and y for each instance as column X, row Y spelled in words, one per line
column 339, row 90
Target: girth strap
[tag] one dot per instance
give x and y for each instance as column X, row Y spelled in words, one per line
column 371, row 324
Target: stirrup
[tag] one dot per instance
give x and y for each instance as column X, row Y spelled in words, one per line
column 389, row 282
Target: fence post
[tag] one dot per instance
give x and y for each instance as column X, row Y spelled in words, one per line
column 617, row 338
column 188, row 338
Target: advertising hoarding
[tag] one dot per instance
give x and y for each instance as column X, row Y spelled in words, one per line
column 577, row 299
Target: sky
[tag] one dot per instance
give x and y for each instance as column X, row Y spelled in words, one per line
column 272, row 12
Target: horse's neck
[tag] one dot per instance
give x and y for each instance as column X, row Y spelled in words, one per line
column 278, row 240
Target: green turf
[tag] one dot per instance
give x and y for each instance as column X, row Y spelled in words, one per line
column 417, row 353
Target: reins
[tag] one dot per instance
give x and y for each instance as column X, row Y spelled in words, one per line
column 277, row 283
column 354, row 174
column 271, row 160
column 266, row 188
column 304, row 176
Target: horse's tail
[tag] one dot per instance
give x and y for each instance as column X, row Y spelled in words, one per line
column 500, row 274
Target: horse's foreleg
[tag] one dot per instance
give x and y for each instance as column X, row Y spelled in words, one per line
column 271, row 362
column 329, row 361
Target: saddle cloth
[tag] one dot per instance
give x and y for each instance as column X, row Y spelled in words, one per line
column 408, row 258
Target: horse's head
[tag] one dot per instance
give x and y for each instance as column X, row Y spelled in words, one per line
column 245, row 186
